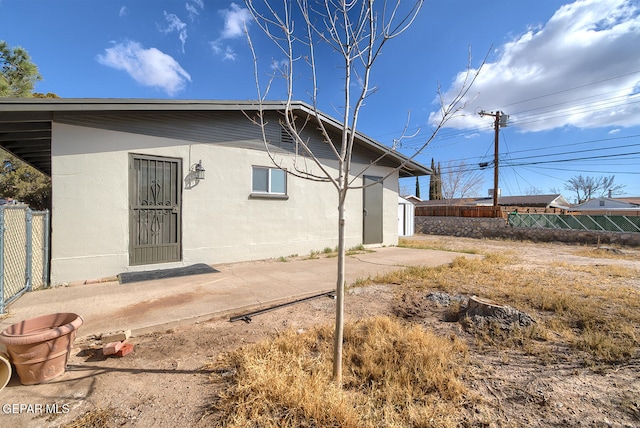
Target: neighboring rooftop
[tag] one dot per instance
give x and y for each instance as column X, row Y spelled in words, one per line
column 542, row 201
column 608, row 204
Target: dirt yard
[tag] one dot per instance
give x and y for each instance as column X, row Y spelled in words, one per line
column 166, row 380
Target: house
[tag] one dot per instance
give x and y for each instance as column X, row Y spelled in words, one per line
column 550, row 201
column 529, row 201
column 609, row 206
column 412, row 198
column 150, row 184
column 447, row 202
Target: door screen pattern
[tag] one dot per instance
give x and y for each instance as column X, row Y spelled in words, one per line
column 155, row 211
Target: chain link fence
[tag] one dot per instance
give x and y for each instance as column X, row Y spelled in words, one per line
column 24, row 252
column 608, row 223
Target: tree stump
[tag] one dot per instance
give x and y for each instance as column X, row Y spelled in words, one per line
column 484, row 308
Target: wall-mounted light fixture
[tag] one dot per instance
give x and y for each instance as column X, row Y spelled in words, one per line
column 198, row 171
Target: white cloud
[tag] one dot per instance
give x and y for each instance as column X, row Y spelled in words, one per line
column 236, row 19
column 193, row 8
column 191, row 11
column 216, row 47
column 123, row 11
column 579, row 69
column 149, row 67
column 175, row 24
column 227, row 52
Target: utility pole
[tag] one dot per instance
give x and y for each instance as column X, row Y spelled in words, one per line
column 500, row 121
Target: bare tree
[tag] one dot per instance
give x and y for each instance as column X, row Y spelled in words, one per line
column 533, row 190
column 586, row 188
column 407, row 190
column 460, row 181
column 356, row 32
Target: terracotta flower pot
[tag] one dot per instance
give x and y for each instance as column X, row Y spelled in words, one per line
column 39, row 347
column 5, row 370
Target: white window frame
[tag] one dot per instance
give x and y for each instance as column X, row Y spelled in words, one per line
column 269, row 194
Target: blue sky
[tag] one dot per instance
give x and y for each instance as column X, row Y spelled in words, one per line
column 566, row 73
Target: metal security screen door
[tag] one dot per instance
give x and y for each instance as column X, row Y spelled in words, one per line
column 373, row 212
column 155, row 209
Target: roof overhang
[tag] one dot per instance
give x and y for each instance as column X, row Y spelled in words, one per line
column 25, row 123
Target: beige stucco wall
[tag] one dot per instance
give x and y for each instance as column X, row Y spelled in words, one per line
column 220, row 223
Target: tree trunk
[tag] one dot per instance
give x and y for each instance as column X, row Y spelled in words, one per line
column 338, row 336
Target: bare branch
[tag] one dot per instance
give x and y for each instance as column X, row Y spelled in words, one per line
column 449, row 110
column 460, row 181
column 397, row 142
column 356, row 31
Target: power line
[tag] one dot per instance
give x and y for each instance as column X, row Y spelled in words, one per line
column 590, row 104
column 576, row 159
column 578, row 151
column 475, row 158
column 618, row 98
column 565, row 111
column 540, row 149
column 573, row 88
column 599, row 140
column 590, row 171
column 521, row 118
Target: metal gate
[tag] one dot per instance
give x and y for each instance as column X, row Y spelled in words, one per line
column 155, row 195
column 24, row 251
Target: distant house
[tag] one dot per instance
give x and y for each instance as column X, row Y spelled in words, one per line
column 556, row 201
column 632, row 200
column 608, row 206
column 413, row 199
column 127, row 191
column 447, row 202
column 529, row 201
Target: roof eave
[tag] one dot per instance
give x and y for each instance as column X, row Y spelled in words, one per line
column 46, row 106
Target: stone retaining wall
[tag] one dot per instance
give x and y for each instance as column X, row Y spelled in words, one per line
column 498, row 228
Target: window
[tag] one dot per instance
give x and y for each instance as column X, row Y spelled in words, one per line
column 268, row 182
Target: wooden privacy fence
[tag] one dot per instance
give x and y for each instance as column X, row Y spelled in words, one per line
column 481, row 211
column 24, row 251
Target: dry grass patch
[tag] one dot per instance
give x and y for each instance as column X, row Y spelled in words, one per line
column 439, row 245
column 394, row 375
column 592, row 308
column 96, row 418
column 605, row 253
column 600, row 272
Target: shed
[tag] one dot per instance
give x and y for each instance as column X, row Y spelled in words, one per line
column 406, row 217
